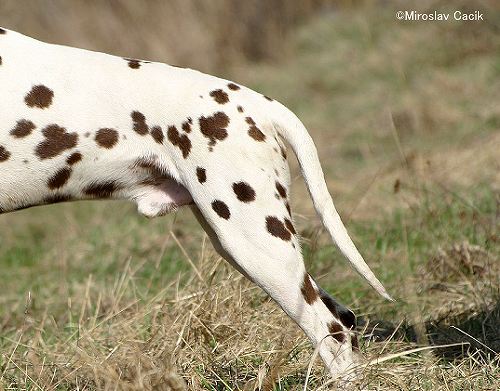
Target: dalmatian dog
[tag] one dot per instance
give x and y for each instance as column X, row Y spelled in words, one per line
column 79, row 125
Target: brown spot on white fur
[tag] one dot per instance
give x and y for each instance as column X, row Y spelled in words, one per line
column 201, row 174
column 4, row 154
column 23, row 128
column 40, row 96
column 106, row 138
column 57, row 139
column 219, row 96
column 277, row 228
column 281, row 189
column 157, row 134
column 101, row 189
column 214, row 127
column 181, row 141
column 254, row 132
column 59, row 179
column 244, row 192
column 139, row 121
column 221, row 209
column 308, row 291
column 74, row 158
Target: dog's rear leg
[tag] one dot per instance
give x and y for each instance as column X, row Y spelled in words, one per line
column 267, row 252
column 215, row 241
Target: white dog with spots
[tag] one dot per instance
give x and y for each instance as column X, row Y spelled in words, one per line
column 77, row 125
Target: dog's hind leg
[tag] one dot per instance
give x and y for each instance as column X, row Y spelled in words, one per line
column 265, row 248
column 215, row 241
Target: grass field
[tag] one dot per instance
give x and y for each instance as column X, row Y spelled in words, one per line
column 406, row 117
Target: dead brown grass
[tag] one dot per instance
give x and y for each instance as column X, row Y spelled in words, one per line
column 206, row 35
column 218, row 332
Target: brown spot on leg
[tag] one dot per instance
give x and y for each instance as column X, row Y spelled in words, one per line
column 254, row 132
column 157, row 134
column 339, row 311
column 336, row 330
column 23, row 128
column 74, row 158
column 56, row 141
column 281, row 189
column 186, row 126
column 290, row 226
column 287, row 206
column 214, row 127
column 4, row 154
column 182, row 142
column 240, row 109
column 59, row 179
column 276, row 228
column 139, row 121
column 40, row 96
column 308, row 291
column 219, row 96
column 106, row 138
column 244, row 192
column 201, row 174
column 233, row 86
column 221, row 209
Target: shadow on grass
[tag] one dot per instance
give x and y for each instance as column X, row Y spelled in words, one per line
column 479, row 331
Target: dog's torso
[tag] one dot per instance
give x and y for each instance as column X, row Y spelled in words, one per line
column 78, row 124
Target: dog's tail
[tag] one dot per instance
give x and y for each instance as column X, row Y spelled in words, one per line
column 293, row 131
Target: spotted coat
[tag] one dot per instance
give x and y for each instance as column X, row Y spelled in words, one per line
column 77, row 125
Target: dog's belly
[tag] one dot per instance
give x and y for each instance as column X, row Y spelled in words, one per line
column 162, row 198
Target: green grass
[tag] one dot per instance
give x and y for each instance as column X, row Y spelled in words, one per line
column 404, row 240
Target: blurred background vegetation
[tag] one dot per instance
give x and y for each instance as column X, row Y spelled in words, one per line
column 406, row 117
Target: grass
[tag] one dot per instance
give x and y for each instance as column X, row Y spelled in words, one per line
column 405, row 117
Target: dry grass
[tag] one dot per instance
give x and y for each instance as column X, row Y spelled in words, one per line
column 407, row 123
column 215, row 333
